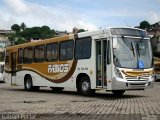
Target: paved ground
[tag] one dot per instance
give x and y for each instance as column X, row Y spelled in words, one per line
column 15, row 103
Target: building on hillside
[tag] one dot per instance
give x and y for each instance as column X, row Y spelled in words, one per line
column 4, row 41
column 61, row 33
column 4, row 37
column 154, row 33
column 154, row 29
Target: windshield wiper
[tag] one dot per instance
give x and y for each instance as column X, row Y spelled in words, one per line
column 132, row 48
column 138, row 50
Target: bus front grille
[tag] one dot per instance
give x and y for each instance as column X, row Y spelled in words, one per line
column 138, row 85
column 137, row 78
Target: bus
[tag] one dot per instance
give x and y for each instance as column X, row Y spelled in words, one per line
column 112, row 59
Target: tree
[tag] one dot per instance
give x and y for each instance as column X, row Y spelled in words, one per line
column 46, row 32
column 16, row 28
column 81, row 30
column 19, row 40
column 24, row 34
column 23, row 26
column 144, row 25
column 38, row 33
column 34, row 32
column 45, row 28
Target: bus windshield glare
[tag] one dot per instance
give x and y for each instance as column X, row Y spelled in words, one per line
column 132, row 53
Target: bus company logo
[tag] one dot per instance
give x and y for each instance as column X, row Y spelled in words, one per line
column 138, row 77
column 61, row 68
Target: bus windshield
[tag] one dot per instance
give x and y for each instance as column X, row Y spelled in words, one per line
column 132, row 53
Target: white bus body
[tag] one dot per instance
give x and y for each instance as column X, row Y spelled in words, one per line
column 109, row 66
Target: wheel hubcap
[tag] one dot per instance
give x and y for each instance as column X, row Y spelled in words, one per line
column 85, row 86
column 28, row 84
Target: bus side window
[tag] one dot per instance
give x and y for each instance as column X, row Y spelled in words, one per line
column 51, row 52
column 28, row 55
column 39, row 53
column 83, row 48
column 20, row 56
column 66, row 50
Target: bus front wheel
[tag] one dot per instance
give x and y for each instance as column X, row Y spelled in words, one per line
column 118, row 92
column 84, row 87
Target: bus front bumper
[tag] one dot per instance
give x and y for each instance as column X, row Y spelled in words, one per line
column 122, row 84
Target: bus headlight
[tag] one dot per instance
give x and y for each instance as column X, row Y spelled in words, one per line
column 118, row 73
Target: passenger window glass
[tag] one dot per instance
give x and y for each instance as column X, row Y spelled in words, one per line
column 28, row 55
column 83, row 48
column 20, row 56
column 51, row 52
column 66, row 50
column 39, row 53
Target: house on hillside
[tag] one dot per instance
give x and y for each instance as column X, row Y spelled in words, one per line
column 4, row 41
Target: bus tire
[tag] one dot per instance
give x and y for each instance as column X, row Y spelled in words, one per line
column 84, row 87
column 28, row 85
column 57, row 89
column 118, row 92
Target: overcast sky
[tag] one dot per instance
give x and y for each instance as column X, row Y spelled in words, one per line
column 87, row 14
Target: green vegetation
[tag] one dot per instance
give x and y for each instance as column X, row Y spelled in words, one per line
column 81, row 30
column 23, row 26
column 144, row 25
column 24, row 34
column 16, row 28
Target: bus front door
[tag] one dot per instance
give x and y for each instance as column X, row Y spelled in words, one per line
column 101, row 63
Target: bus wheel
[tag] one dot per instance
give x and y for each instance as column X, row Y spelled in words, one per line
column 57, row 89
column 28, row 85
column 84, row 87
column 118, row 92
